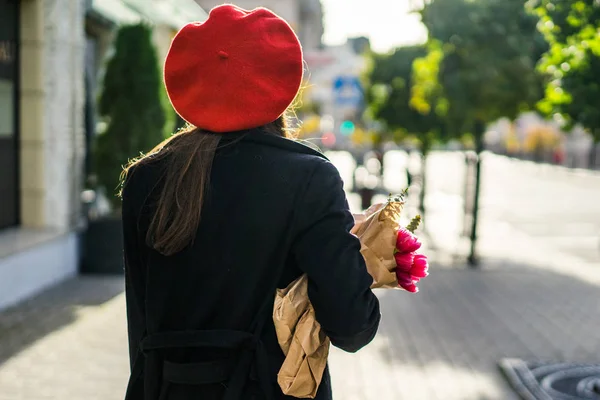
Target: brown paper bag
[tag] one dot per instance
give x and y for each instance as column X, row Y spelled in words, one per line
column 377, row 236
column 299, row 333
column 303, row 342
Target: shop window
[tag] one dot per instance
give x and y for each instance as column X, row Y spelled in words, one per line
column 9, row 187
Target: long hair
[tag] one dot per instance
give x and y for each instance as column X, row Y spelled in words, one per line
column 191, row 151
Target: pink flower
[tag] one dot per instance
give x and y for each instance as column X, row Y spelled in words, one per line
column 408, row 278
column 420, row 266
column 404, row 261
column 406, row 281
column 407, row 242
column 410, row 267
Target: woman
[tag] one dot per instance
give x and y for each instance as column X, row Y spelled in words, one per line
column 223, row 213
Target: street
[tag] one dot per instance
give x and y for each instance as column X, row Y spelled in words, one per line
column 534, row 297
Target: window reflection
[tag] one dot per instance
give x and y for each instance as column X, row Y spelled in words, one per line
column 7, row 122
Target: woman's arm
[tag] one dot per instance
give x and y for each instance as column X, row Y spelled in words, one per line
column 338, row 281
column 134, row 268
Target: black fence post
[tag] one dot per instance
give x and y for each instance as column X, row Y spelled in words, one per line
column 470, row 158
column 479, row 131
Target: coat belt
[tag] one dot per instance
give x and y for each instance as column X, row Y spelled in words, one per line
column 235, row 370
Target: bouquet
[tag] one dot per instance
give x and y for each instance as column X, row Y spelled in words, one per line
column 390, row 250
column 390, row 253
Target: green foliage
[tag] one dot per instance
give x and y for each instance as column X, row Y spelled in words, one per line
column 414, row 224
column 172, row 120
column 388, row 94
column 131, row 103
column 426, row 89
column 573, row 60
column 480, row 64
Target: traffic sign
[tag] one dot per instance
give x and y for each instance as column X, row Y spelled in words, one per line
column 347, row 90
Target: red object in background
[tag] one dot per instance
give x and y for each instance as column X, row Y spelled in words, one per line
column 558, row 157
column 328, row 139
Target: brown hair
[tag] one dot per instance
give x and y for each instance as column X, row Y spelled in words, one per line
column 186, row 180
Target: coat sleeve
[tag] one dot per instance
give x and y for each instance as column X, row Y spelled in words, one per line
column 134, row 268
column 338, row 281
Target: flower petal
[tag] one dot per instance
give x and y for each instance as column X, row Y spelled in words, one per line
column 403, row 277
column 404, row 261
column 407, row 242
column 407, row 281
column 420, row 266
column 409, row 287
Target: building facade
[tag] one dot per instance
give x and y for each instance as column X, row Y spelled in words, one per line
column 51, row 56
column 41, row 143
column 334, row 78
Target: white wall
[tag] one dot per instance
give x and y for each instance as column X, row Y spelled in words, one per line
column 25, row 273
column 64, row 52
column 52, row 99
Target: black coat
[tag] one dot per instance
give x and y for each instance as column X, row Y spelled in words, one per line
column 275, row 209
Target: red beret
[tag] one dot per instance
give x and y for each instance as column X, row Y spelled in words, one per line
column 237, row 70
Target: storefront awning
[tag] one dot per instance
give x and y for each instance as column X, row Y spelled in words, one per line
column 182, row 12
column 173, row 13
column 115, row 11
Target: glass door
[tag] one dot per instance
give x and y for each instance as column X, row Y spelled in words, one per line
column 9, row 186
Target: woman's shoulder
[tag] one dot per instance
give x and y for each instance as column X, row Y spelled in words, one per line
column 140, row 175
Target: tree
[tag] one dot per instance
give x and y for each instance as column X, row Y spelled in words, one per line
column 390, row 82
column 486, row 69
column 130, row 103
column 572, row 62
column 490, row 49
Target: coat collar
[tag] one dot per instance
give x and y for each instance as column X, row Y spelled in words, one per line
column 260, row 137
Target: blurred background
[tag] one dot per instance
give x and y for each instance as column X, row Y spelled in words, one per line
column 488, row 111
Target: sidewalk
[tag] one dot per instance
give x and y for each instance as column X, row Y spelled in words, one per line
column 527, row 300
column 442, row 343
column 68, row 343
column 446, row 341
